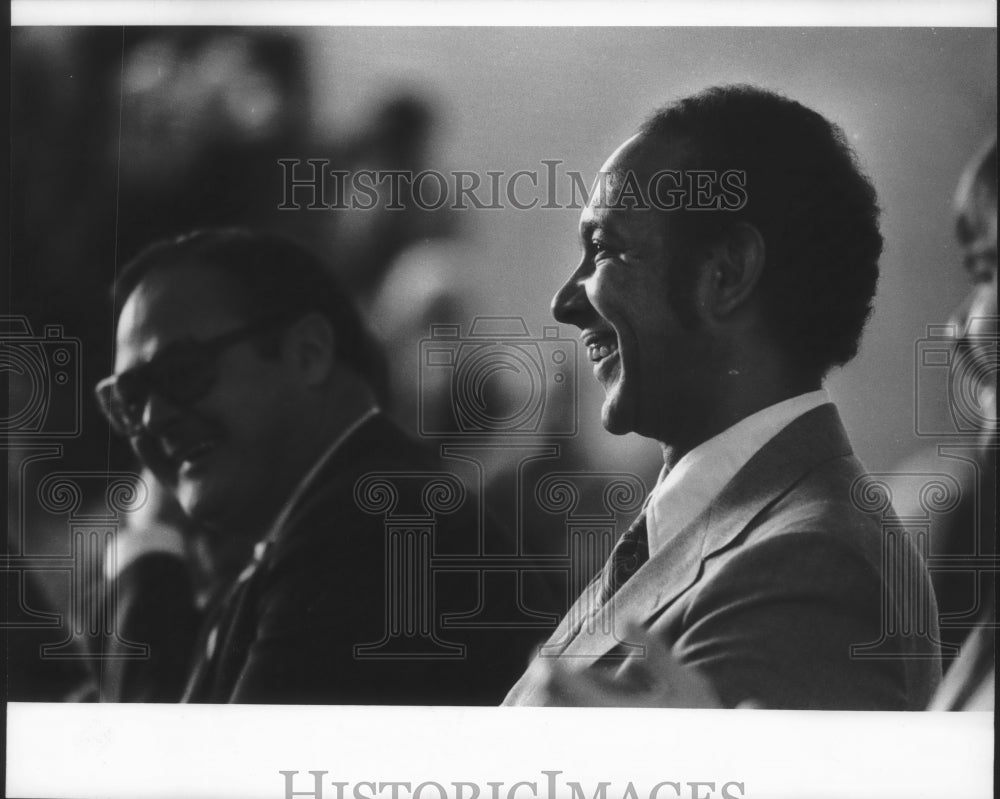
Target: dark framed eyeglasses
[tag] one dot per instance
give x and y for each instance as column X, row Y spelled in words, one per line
column 182, row 373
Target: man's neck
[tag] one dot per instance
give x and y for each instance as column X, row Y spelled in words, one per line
column 738, row 405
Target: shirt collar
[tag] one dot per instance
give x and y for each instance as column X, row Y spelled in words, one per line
column 682, row 493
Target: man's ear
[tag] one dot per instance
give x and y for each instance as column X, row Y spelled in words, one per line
column 310, row 343
column 734, row 268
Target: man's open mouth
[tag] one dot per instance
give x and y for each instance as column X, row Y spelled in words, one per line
column 601, row 346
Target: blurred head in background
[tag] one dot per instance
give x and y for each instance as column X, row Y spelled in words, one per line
column 397, row 137
column 975, row 319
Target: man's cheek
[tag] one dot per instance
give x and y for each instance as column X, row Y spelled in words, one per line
column 984, row 306
column 151, row 454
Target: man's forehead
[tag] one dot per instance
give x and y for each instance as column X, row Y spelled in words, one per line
column 644, row 155
column 627, row 170
column 625, row 150
column 184, row 301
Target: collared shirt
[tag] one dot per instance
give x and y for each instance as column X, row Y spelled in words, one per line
column 682, row 493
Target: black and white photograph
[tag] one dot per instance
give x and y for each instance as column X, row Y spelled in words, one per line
column 553, row 400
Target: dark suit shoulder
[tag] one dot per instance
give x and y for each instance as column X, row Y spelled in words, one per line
column 333, row 500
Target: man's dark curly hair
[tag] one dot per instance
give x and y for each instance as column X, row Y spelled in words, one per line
column 815, row 209
column 271, row 277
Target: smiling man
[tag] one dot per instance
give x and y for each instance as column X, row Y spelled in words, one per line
column 248, row 385
column 181, row 331
column 711, row 325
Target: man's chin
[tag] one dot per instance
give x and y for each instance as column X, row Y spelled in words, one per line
column 225, row 513
column 200, row 508
column 209, row 522
column 615, row 421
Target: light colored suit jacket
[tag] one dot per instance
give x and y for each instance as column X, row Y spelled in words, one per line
column 783, row 590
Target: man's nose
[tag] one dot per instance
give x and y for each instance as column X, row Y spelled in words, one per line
column 959, row 316
column 570, row 304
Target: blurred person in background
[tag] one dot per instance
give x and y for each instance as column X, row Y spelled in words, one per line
column 970, row 681
column 405, row 264
column 397, row 258
column 968, row 457
column 206, row 114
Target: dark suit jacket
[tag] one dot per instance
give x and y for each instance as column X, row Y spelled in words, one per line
column 768, row 590
column 288, row 632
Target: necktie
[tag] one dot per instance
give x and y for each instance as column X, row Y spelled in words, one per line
column 200, row 682
column 631, row 551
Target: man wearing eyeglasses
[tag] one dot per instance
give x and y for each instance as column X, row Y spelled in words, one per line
column 248, row 385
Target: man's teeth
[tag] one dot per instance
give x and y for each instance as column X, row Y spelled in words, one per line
column 596, row 352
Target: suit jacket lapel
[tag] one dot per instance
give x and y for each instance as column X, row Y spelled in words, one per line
column 569, row 627
column 813, row 438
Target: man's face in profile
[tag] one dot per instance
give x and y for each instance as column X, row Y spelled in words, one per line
column 221, row 452
column 649, row 364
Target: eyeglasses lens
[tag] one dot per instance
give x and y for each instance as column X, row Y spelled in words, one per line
column 181, row 377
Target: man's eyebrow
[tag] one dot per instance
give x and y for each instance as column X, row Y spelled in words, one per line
column 606, row 226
